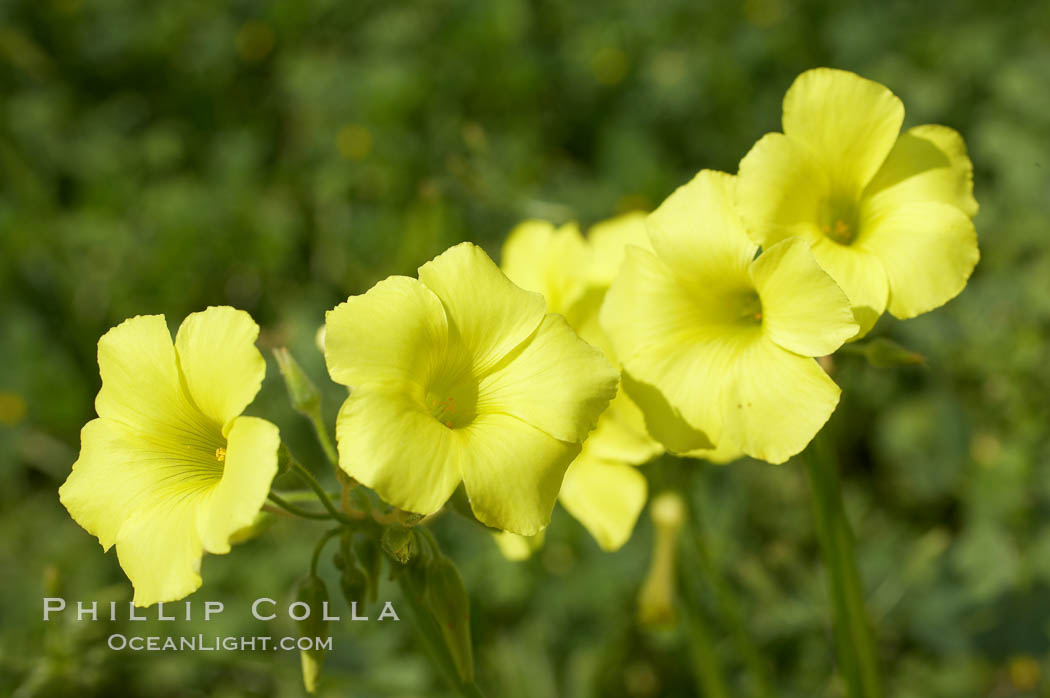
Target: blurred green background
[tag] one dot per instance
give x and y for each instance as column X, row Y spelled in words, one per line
column 280, row 155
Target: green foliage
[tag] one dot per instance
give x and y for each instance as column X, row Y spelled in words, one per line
column 277, row 156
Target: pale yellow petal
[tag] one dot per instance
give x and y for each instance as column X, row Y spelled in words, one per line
column 777, row 402
column 698, row 234
column 396, row 332
column 803, row 309
column 609, row 240
column 847, row 122
column 928, row 251
column 662, row 420
column 249, row 466
column 512, row 472
column 725, row 452
column 780, row 191
column 221, row 367
column 517, row 548
column 390, row 444
column 860, row 275
column 928, row 163
column 605, row 497
column 540, row 258
column 554, row 381
column 621, row 436
column 140, row 378
column 489, row 312
column 160, row 550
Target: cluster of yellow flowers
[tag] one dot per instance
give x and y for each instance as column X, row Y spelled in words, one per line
column 708, row 313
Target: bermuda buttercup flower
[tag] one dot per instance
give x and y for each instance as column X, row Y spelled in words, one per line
column 461, row 376
column 170, row 468
column 888, row 214
column 724, row 337
column 602, row 489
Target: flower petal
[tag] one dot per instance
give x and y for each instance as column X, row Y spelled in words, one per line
column 605, row 497
column 928, row 250
column 665, row 423
column 802, row 308
column 540, row 258
column 860, row 275
column 620, row 436
column 609, row 240
column 780, row 190
column 849, row 123
column 248, row 470
column 725, row 452
column 396, row 332
column 221, row 367
column 390, row 444
column 491, row 314
column 777, row 403
column 647, row 306
column 664, row 338
column 697, row 233
column 554, row 381
column 160, row 549
column 512, row 472
column 517, row 548
column 928, row 163
column 140, row 378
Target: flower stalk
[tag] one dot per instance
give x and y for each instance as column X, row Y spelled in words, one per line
column 854, row 643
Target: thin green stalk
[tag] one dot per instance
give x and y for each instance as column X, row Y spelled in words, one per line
column 854, row 643
column 315, row 558
column 728, row 606
column 323, row 438
column 706, row 668
column 310, row 480
column 298, row 511
column 433, row 642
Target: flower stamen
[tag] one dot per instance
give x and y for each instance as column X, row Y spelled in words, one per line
column 220, row 454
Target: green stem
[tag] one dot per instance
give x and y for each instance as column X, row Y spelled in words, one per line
column 292, row 509
column 323, row 438
column 707, row 669
column 728, row 605
column 430, row 634
column 315, row 558
column 854, row 643
column 310, row 480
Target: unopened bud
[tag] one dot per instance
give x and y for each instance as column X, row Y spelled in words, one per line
column 311, row 591
column 400, row 543
column 447, row 598
column 303, row 393
column 656, row 597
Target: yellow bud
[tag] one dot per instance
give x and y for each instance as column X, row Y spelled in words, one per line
column 656, row 597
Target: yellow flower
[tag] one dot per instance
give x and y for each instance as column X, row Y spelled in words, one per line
column 714, row 342
column 888, row 214
column 170, row 469
column 601, row 488
column 462, row 376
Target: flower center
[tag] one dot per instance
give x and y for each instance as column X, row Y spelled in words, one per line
column 839, row 219
column 220, row 454
column 454, row 404
column 747, row 308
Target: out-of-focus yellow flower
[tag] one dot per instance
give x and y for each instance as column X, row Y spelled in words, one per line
column 462, row 376
column 716, row 343
column 887, row 214
column 601, row 488
column 170, row 469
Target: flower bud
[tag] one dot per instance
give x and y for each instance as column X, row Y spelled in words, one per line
column 302, row 391
column 656, row 597
column 370, row 557
column 447, row 598
column 311, row 590
column 400, row 543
